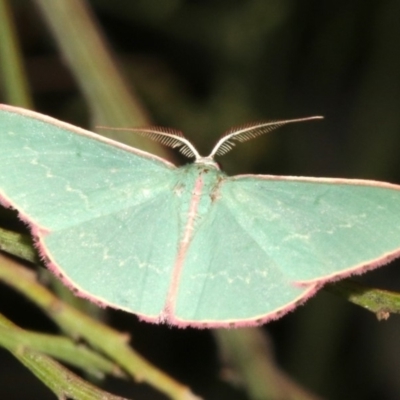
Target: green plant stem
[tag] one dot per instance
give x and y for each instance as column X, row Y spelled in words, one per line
column 380, row 302
column 57, row 378
column 17, row 244
column 12, row 73
column 62, row 348
column 98, row 335
column 60, row 380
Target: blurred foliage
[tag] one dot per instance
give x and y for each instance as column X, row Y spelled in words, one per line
column 204, row 66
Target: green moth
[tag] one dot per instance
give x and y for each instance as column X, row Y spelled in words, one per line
column 188, row 246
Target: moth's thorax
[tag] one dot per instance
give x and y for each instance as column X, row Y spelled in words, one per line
column 206, row 174
column 198, row 187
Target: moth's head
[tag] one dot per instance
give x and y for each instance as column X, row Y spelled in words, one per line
column 207, row 161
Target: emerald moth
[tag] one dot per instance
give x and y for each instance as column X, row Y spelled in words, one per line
column 187, row 246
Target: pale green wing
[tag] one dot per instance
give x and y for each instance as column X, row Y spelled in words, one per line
column 96, row 208
column 269, row 243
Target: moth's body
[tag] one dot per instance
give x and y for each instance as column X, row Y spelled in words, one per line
column 188, row 245
column 201, row 183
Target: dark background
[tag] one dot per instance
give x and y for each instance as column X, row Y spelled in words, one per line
column 203, row 66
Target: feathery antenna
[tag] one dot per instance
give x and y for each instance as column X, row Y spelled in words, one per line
column 247, row 132
column 166, row 136
column 175, row 139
